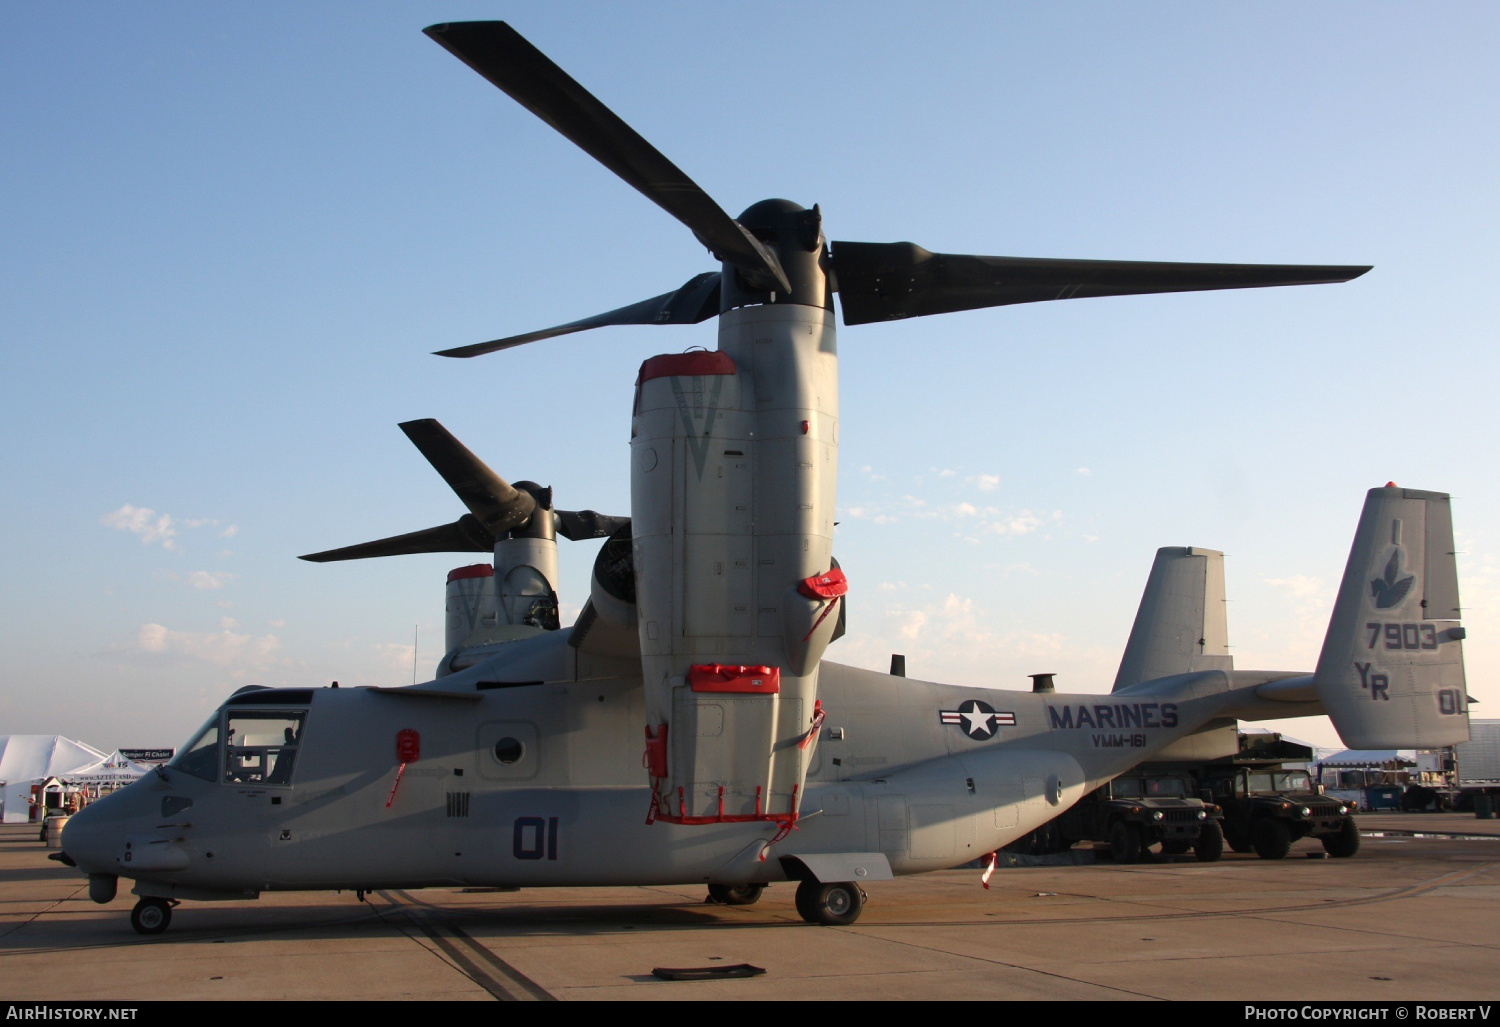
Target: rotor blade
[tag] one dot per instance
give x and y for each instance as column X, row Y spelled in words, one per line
column 465, row 535
column 493, row 500
column 891, row 281
column 585, row 524
column 696, row 301
column 500, row 54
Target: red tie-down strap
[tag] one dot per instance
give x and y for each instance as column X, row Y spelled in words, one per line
column 655, row 760
column 989, row 868
column 817, row 724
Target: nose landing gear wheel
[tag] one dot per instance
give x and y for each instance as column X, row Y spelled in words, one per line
column 151, row 916
column 834, row 905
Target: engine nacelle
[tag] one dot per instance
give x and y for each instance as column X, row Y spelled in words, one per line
column 470, row 605
column 733, row 465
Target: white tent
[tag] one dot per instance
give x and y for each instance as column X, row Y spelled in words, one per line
column 27, row 759
column 116, row 771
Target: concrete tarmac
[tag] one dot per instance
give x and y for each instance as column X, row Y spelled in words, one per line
column 1414, row 916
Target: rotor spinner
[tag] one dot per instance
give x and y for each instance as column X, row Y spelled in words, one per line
column 795, row 234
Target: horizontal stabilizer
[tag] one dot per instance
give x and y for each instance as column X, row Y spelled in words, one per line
column 891, row 281
column 1391, row 673
column 1181, row 626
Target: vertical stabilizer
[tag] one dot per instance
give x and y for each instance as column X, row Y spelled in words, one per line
column 1181, row 626
column 1391, row 673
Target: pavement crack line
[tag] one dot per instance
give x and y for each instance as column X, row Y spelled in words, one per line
column 998, row 962
column 46, row 909
column 503, row 981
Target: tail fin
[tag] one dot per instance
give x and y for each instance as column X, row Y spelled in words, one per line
column 1181, row 626
column 1391, row 673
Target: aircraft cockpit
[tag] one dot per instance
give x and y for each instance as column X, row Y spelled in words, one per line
column 251, row 740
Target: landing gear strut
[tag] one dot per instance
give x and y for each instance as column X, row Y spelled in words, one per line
column 151, row 915
column 834, row 905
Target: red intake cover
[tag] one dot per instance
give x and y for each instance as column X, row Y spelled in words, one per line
column 474, row 570
column 677, row 364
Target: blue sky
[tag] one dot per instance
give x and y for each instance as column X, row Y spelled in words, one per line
column 232, row 233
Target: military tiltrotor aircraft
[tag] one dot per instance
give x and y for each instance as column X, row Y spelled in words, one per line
column 687, row 728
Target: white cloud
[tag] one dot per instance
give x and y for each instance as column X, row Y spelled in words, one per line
column 1085, row 472
column 954, row 639
column 143, row 522
column 277, row 623
column 947, row 473
column 210, row 579
column 396, row 654
column 153, row 528
column 1023, row 523
column 984, row 482
column 1301, row 587
column 224, row 647
column 912, row 623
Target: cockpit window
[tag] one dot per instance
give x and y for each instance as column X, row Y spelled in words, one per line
column 200, row 757
column 261, row 746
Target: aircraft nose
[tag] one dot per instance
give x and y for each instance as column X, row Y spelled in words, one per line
column 87, row 839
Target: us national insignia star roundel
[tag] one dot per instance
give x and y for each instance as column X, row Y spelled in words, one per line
column 978, row 719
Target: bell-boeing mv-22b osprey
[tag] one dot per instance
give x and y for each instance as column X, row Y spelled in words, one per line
column 687, row 727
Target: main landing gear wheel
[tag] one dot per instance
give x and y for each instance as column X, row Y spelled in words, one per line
column 834, row 905
column 735, row 894
column 151, row 916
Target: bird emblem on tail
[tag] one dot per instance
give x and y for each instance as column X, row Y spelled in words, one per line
column 1388, row 591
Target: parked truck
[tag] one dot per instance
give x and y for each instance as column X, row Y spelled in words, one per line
column 1140, row 809
column 1267, row 808
column 1476, row 765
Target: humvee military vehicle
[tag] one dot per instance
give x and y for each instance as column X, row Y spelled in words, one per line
column 1134, row 812
column 1267, row 808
